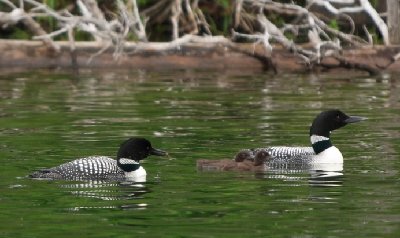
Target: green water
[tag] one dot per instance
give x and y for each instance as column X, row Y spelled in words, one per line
column 47, row 118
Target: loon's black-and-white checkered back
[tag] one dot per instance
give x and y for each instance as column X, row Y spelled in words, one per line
column 284, row 154
column 95, row 167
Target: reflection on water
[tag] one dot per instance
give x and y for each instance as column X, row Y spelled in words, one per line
column 109, row 191
column 316, row 174
column 326, row 178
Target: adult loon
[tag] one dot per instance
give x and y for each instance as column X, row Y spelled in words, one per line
column 126, row 166
column 321, row 151
column 243, row 161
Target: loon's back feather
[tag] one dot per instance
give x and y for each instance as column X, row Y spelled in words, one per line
column 93, row 167
column 284, row 154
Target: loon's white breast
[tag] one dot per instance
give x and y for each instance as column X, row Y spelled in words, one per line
column 332, row 155
column 330, row 159
column 139, row 175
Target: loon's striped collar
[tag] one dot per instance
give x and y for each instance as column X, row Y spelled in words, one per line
column 320, row 143
column 128, row 165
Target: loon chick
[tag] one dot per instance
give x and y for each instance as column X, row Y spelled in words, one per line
column 321, row 150
column 243, row 161
column 126, row 166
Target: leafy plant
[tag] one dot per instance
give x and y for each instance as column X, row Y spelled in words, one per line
column 334, row 24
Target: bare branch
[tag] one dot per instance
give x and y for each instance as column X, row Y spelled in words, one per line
column 383, row 29
column 109, row 33
column 176, row 11
column 84, row 9
column 10, row 4
column 365, row 6
column 137, row 23
column 11, row 18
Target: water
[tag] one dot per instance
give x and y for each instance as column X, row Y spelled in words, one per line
column 47, row 118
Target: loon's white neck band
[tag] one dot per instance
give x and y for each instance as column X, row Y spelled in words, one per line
column 128, row 165
column 316, row 138
column 127, row 161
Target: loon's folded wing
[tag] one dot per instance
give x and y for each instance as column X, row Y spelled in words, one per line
column 283, row 154
column 96, row 167
column 45, row 174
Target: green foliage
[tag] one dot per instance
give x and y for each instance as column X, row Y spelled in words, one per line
column 224, row 3
column 375, row 35
column 278, row 20
column 81, row 36
column 334, row 24
column 374, row 3
column 290, row 35
column 142, row 2
column 19, row 33
column 49, row 21
column 51, row 3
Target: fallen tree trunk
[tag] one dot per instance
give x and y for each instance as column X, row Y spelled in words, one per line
column 191, row 55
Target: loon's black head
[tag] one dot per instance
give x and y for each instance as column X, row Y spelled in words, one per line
column 330, row 120
column 132, row 151
column 137, row 149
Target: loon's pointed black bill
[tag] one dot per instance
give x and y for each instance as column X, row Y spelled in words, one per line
column 157, row 152
column 353, row 119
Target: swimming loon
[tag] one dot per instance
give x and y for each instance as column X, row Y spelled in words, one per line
column 321, row 150
column 126, row 166
column 242, row 162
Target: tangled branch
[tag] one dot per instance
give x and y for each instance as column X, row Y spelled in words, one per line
column 114, row 32
column 323, row 41
column 185, row 17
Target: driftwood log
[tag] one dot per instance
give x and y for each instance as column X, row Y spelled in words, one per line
column 190, row 55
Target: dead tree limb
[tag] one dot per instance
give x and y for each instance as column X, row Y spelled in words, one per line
column 324, row 40
column 19, row 15
column 364, row 6
column 176, row 12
